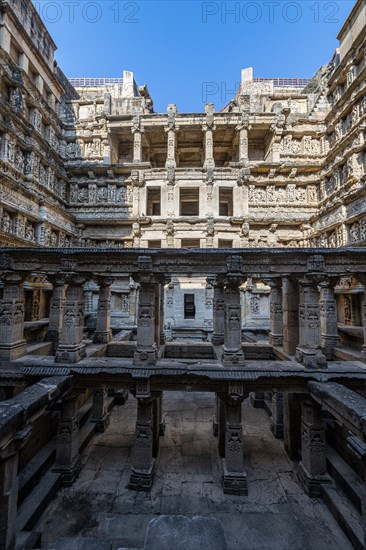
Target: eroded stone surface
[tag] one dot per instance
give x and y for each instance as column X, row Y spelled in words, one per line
column 180, row 533
column 276, row 513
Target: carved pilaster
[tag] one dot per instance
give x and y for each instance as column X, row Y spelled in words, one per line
column 218, row 311
column 208, row 129
column 328, row 318
column 103, row 333
column 276, row 421
column 290, row 304
column 8, row 498
column 146, row 351
column 143, row 461
column 71, row 348
column 309, row 351
column 243, row 128
column 171, row 144
column 312, row 468
column 67, row 452
column 276, row 313
column 56, row 311
column 234, row 477
column 12, row 310
column 362, row 279
column 233, row 353
column 100, row 414
column 137, row 140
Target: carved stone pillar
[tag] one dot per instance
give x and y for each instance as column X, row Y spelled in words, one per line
column 218, row 312
column 308, row 351
column 12, row 343
column 171, row 162
column 221, row 425
column 146, row 352
column 243, row 128
column 137, row 146
column 143, row 455
column 257, row 399
column 328, row 318
column 312, row 468
column 233, row 353
column 276, row 421
column 71, row 348
column 8, row 498
column 215, row 422
column 292, row 423
column 56, row 311
column 276, row 313
column 234, row 477
column 100, row 414
column 290, row 299
column 88, row 301
column 158, row 421
column 208, row 129
column 67, row 452
column 158, row 299
column 162, row 322
column 363, row 315
column 103, row 333
column 243, row 145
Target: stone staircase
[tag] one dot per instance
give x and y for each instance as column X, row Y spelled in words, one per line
column 343, row 497
column 38, row 485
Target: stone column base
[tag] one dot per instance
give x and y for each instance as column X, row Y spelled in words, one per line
column 275, row 340
column 162, row 426
column 10, row 352
column 142, row 480
column 143, row 357
column 101, row 424
column 328, row 343
column 102, row 337
column 52, row 336
column 257, row 399
column 215, row 427
column 233, row 358
column 311, row 484
column 120, row 396
column 276, row 429
column 234, row 483
column 310, row 358
column 69, row 474
column 217, row 339
column 70, row 354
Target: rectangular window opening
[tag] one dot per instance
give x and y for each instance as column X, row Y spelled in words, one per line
column 154, row 244
column 153, row 201
column 190, row 243
column 223, row 243
column 189, row 202
column 189, row 306
column 225, row 201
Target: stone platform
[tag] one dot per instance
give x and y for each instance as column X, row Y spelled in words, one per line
column 276, row 514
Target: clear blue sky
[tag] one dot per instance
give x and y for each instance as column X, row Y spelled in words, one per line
column 185, row 48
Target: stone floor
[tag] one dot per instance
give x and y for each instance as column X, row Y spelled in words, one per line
column 276, row 514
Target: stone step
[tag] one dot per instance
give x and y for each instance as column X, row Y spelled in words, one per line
column 39, row 484
column 28, row 540
column 345, row 513
column 80, row 543
column 345, row 477
column 36, row 502
column 35, row 468
column 31, row 474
